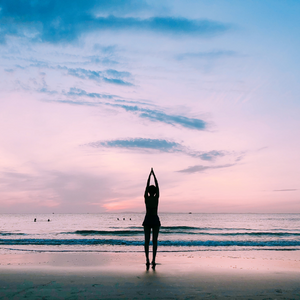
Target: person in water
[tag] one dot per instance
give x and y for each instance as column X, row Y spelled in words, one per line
column 151, row 220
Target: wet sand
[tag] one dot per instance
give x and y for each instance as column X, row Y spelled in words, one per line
column 194, row 275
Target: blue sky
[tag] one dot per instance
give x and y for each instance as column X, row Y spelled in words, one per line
column 95, row 93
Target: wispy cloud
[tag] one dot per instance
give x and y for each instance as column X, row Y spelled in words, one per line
column 79, row 92
column 286, row 190
column 137, row 108
column 47, row 91
column 139, row 143
column 162, row 145
column 200, row 168
column 207, row 55
column 116, row 81
column 110, row 76
column 71, row 102
column 159, row 116
column 65, row 21
column 210, row 155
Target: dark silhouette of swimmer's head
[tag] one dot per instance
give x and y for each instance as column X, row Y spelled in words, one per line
column 152, row 190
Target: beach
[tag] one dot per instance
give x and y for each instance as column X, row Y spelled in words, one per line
column 101, row 256
column 181, row 275
column 131, row 124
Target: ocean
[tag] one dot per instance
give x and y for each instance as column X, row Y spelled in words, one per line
column 124, row 232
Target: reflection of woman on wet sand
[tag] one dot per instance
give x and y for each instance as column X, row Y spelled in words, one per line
column 151, row 220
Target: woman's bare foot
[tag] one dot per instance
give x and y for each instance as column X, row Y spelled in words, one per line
column 153, row 265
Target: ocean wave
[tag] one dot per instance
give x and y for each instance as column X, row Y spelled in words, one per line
column 189, row 228
column 139, row 250
column 174, row 230
column 195, row 228
column 173, row 243
column 3, row 233
column 183, row 228
column 255, row 233
column 107, row 232
column 277, row 234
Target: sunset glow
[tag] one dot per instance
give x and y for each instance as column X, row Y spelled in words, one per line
column 205, row 92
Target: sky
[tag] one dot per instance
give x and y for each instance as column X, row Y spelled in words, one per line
column 95, row 93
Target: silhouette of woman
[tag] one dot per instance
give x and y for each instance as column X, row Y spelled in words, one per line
column 151, row 220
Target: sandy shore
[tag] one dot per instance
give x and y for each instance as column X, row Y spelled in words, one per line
column 196, row 275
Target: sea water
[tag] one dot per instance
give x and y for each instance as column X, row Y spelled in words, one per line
column 124, row 232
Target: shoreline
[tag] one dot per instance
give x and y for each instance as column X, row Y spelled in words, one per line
column 226, row 275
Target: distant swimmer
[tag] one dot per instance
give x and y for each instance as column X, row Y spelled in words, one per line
column 34, row 220
column 48, row 220
column 151, row 220
column 123, row 219
column 118, row 219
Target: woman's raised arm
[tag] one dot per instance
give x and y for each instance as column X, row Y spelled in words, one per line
column 148, row 183
column 156, row 183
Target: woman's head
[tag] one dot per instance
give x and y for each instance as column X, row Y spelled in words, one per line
column 152, row 190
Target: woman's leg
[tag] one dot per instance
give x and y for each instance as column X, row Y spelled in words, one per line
column 155, row 232
column 147, row 232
